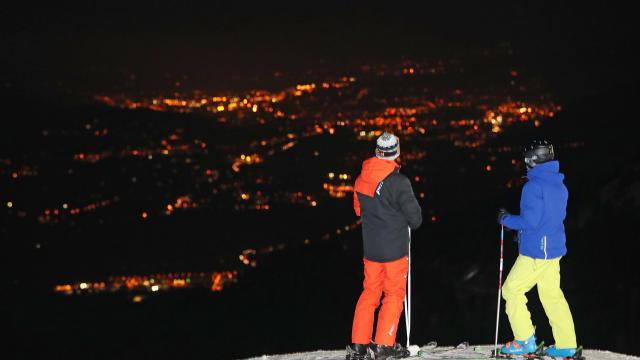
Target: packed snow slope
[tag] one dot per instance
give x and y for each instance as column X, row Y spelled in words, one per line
column 481, row 352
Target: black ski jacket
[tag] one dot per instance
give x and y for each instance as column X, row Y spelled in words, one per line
column 386, row 214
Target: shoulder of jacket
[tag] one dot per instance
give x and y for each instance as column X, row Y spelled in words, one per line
column 532, row 186
column 399, row 181
column 396, row 177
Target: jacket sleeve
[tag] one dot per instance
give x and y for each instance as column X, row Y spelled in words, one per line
column 531, row 207
column 408, row 203
column 356, row 203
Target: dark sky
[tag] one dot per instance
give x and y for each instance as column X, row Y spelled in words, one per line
column 225, row 44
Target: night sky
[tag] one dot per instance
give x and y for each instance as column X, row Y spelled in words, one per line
column 96, row 46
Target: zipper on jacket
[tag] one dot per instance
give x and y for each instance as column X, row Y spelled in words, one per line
column 545, row 246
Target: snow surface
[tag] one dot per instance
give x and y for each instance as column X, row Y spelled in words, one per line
column 478, row 350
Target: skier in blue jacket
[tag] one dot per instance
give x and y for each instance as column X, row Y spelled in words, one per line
column 542, row 239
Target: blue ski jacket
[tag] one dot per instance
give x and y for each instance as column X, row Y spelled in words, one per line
column 543, row 207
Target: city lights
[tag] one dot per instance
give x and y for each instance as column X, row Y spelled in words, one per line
column 181, row 169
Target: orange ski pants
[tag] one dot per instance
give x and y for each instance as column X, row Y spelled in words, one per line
column 390, row 278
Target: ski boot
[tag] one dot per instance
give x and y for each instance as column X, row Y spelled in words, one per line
column 565, row 353
column 517, row 348
column 384, row 352
column 357, row 352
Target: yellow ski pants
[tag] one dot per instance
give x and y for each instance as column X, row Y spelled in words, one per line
column 524, row 275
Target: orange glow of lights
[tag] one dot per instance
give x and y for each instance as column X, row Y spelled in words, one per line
column 66, row 288
column 337, row 191
column 216, row 282
column 9, row 204
column 144, row 215
column 488, row 168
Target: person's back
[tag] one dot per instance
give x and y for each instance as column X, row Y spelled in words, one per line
column 387, row 213
column 543, row 210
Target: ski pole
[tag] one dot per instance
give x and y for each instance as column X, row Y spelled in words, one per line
column 407, row 297
column 495, row 346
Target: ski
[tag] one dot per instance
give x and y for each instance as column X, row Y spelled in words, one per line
column 538, row 354
column 461, row 351
column 577, row 356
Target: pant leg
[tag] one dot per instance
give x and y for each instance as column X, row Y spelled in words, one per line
column 395, row 285
column 368, row 302
column 556, row 306
column 520, row 280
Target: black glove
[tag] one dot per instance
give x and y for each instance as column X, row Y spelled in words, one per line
column 502, row 213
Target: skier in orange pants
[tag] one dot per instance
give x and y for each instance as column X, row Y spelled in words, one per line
column 384, row 200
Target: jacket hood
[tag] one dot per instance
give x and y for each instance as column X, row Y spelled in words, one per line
column 549, row 171
column 373, row 171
